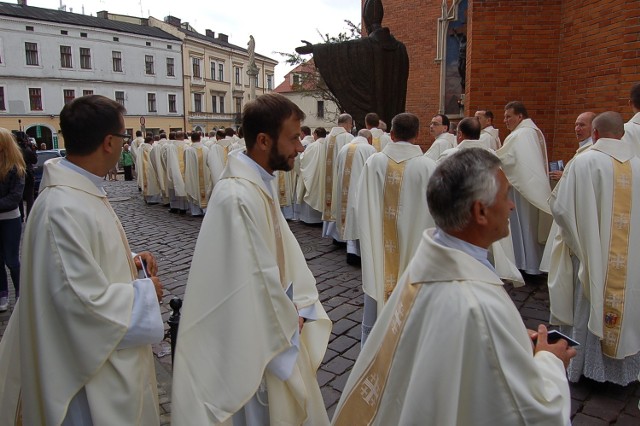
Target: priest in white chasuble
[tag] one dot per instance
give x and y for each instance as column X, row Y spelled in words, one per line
column 175, row 150
column 439, row 129
column 159, row 167
column 198, row 184
column 500, row 252
column 489, row 136
column 597, row 208
column 217, row 157
column 253, row 331
column 449, row 348
column 379, row 139
column 632, row 127
column 392, row 213
column 149, row 179
column 351, row 159
column 338, row 137
column 77, row 350
column 524, row 161
column 310, row 188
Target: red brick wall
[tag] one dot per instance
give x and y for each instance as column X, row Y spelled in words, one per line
column 559, row 57
column 513, row 55
column 599, row 62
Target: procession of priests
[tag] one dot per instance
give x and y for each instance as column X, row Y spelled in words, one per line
column 436, row 233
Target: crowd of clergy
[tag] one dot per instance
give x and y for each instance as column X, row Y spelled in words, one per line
column 436, row 234
column 367, row 189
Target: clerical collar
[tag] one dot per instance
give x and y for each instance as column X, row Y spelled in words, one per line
column 478, row 253
column 584, row 142
column 267, row 177
column 97, row 180
column 403, row 143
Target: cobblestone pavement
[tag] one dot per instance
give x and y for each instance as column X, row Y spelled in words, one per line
column 172, row 239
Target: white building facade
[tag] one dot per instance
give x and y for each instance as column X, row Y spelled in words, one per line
column 50, row 57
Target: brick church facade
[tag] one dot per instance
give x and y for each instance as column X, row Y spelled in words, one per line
column 559, row 57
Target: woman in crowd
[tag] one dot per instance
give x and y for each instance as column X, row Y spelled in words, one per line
column 12, row 177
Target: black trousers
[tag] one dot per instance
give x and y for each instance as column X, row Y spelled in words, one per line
column 128, row 174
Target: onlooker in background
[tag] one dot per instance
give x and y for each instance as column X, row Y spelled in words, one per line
column 12, row 176
column 43, row 146
column 127, row 162
column 30, row 158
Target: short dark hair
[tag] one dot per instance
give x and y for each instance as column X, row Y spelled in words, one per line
column 488, row 114
column 148, row 139
column 445, row 120
column 220, row 134
column 172, row 136
column 229, row 132
column 138, row 133
column 405, row 126
column 634, row 96
column 372, row 119
column 87, row 120
column 470, row 128
column 305, row 130
column 195, row 137
column 518, row 108
column 266, row 114
column 321, row 132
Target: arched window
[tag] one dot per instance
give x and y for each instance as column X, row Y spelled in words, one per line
column 452, row 54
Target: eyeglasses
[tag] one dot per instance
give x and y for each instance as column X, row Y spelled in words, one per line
column 125, row 138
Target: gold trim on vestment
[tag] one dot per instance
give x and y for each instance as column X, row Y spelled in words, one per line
column 346, row 183
column 616, row 276
column 328, row 180
column 362, row 403
column 201, row 185
column 391, row 206
column 123, row 237
column 376, row 143
column 145, row 175
column 226, row 153
column 180, row 149
column 279, row 245
column 282, row 189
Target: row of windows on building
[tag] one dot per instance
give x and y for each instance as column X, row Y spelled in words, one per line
column 36, row 104
column 68, row 95
column 197, row 72
column 66, row 61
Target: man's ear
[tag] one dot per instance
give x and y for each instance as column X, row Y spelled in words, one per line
column 479, row 213
column 108, row 143
column 263, row 142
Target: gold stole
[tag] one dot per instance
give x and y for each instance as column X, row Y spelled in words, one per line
column 616, row 276
column 201, row 185
column 123, row 237
column 180, row 149
column 362, row 402
column 145, row 175
column 282, row 188
column 346, row 183
column 376, row 144
column 278, row 235
column 391, row 205
column 328, row 180
column 226, row 153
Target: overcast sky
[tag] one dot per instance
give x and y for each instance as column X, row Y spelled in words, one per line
column 277, row 25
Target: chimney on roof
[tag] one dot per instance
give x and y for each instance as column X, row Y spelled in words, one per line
column 103, row 14
column 172, row 20
column 210, row 33
column 223, row 38
column 22, row 2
